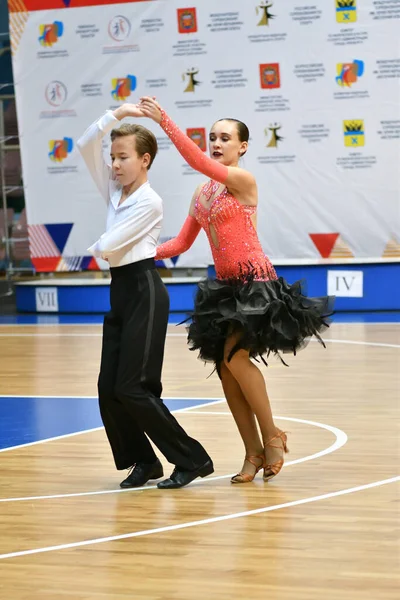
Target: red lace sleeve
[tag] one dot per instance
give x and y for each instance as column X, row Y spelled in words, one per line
column 181, row 242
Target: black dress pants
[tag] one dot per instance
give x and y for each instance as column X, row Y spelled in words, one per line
column 129, row 383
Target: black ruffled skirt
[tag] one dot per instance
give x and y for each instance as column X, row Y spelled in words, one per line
column 270, row 317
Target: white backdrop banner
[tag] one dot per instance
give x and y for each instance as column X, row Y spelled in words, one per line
column 317, row 83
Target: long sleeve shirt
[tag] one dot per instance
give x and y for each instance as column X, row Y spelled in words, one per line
column 133, row 228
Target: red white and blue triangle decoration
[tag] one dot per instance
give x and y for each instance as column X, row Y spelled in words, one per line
column 59, row 233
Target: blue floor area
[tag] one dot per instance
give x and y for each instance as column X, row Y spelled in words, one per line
column 26, row 419
column 367, row 317
column 35, row 319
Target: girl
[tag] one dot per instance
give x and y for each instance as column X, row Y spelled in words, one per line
column 246, row 311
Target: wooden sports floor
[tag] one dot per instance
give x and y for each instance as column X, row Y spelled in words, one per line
column 326, row 528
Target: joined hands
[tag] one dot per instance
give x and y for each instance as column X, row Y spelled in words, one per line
column 147, row 107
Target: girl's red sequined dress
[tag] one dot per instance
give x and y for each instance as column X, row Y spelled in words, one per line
column 247, row 299
column 233, row 239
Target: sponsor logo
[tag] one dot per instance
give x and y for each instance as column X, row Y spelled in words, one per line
column 59, row 149
column 56, row 93
column 354, row 134
column 190, row 77
column 50, row 33
column 348, row 73
column 270, row 76
column 346, row 11
column 198, row 136
column 122, row 87
column 119, row 28
column 263, row 10
column 187, row 20
column 274, row 138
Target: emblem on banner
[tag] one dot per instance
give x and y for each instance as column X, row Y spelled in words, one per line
column 198, row 136
column 59, row 149
column 50, row 34
column 187, row 20
column 66, row 3
column 263, row 9
column 354, row 134
column 56, row 93
column 190, row 76
column 348, row 73
column 270, row 76
column 123, row 87
column 273, row 136
column 346, row 11
column 119, row 28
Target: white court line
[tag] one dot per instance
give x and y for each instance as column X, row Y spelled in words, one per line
column 73, row 335
column 34, row 334
column 52, row 439
column 66, row 435
column 341, row 439
column 229, row 517
column 358, row 343
column 328, row 341
column 192, row 398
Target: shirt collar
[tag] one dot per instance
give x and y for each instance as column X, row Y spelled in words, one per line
column 130, row 199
